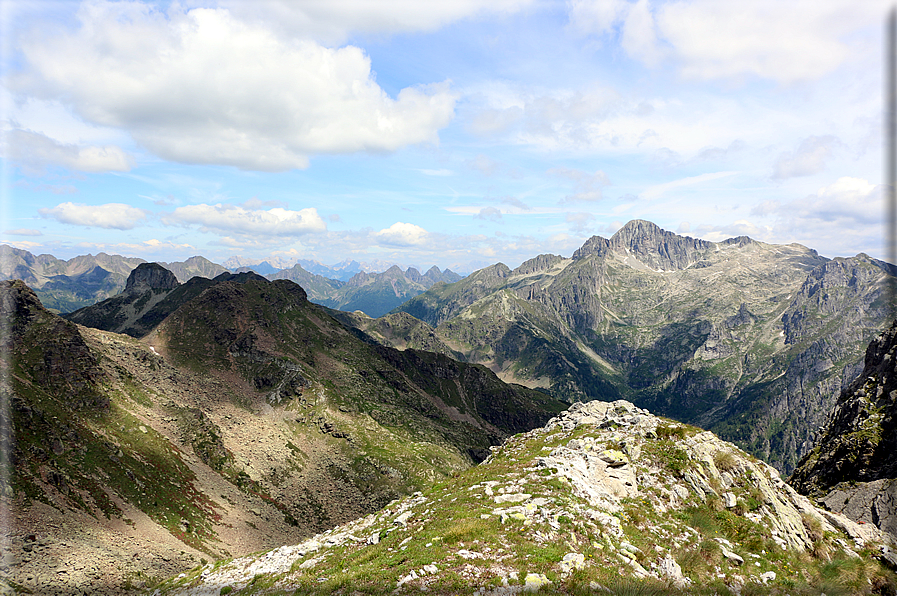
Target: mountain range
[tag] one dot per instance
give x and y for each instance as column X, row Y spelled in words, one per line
column 217, row 417
column 66, row 286
column 751, row 340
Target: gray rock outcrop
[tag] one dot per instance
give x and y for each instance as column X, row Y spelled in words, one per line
column 151, row 275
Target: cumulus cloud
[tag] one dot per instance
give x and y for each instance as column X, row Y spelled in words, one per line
column 741, row 227
column 852, row 199
column 116, row 216
column 586, row 188
column 276, row 221
column 483, row 164
column 835, row 219
column 516, row 203
column 35, row 151
column 203, row 87
column 785, row 42
column 402, row 234
column 809, row 158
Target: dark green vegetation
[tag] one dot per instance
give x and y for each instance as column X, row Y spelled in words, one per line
column 750, row 340
column 276, row 341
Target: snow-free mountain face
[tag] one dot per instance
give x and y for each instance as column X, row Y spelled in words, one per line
column 852, row 467
column 751, row 340
column 247, row 419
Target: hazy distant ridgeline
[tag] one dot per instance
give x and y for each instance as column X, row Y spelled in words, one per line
column 66, row 286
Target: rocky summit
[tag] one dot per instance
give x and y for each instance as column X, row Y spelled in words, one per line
column 605, row 498
column 853, row 466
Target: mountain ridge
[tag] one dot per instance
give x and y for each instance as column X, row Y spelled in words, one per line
column 715, row 333
column 605, row 497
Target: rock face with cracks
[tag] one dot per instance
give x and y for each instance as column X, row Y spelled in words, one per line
column 605, row 497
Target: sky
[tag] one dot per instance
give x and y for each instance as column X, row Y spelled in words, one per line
column 457, row 133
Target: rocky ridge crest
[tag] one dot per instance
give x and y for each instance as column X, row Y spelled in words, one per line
column 602, row 497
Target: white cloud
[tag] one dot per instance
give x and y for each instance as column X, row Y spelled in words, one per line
column 402, row 234
column 35, row 151
column 809, row 158
column 23, row 244
column 741, row 227
column 231, row 218
column 202, row 87
column 580, row 222
column 639, row 37
column 138, row 249
column 332, row 21
column 847, row 199
column 782, row 41
column 116, row 216
column 837, row 219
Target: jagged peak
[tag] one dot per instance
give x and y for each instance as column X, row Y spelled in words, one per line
column 536, row 264
column 652, row 245
column 594, row 245
column 499, row 270
column 739, row 240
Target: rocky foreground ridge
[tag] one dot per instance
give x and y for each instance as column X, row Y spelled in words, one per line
column 605, row 498
column 853, row 467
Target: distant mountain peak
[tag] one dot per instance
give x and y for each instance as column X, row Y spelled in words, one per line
column 152, row 275
column 649, row 243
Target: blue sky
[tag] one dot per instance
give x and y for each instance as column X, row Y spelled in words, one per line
column 455, row 134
